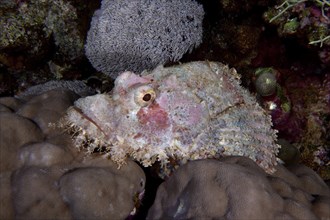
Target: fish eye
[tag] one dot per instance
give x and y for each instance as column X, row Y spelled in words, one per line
column 147, row 97
column 144, row 95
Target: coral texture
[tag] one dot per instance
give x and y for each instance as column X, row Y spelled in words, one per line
column 75, row 86
column 141, row 34
column 33, row 22
column 310, row 18
column 235, row 188
column 300, row 110
column 306, row 20
column 186, row 112
column 42, row 176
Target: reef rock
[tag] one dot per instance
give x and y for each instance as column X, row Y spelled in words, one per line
column 42, row 176
column 236, row 188
column 186, row 112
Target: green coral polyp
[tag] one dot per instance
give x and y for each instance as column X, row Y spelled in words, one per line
column 291, row 26
column 290, row 19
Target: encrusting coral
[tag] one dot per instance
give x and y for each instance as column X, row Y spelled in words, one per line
column 140, row 34
column 29, row 24
column 308, row 18
column 235, row 188
column 42, row 176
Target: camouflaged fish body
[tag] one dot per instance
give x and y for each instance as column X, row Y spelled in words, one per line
column 190, row 111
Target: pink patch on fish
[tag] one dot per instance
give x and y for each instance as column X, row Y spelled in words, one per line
column 154, row 117
column 181, row 106
column 195, row 114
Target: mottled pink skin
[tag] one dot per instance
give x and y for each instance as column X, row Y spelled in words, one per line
column 154, row 116
column 194, row 113
column 186, row 112
column 127, row 80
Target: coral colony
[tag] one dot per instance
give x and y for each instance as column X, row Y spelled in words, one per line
column 310, row 16
column 136, row 35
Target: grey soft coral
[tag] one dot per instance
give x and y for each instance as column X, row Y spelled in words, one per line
column 141, row 34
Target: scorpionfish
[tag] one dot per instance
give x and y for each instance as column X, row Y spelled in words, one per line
column 185, row 112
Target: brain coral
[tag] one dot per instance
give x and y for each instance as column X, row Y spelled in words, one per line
column 140, row 34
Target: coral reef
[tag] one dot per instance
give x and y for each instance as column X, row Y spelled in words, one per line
column 42, row 40
column 235, row 188
column 307, row 20
column 171, row 115
column 239, row 7
column 31, row 23
column 312, row 108
column 42, row 176
column 310, row 16
column 75, row 86
column 231, row 32
column 280, row 48
column 300, row 110
column 141, row 34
